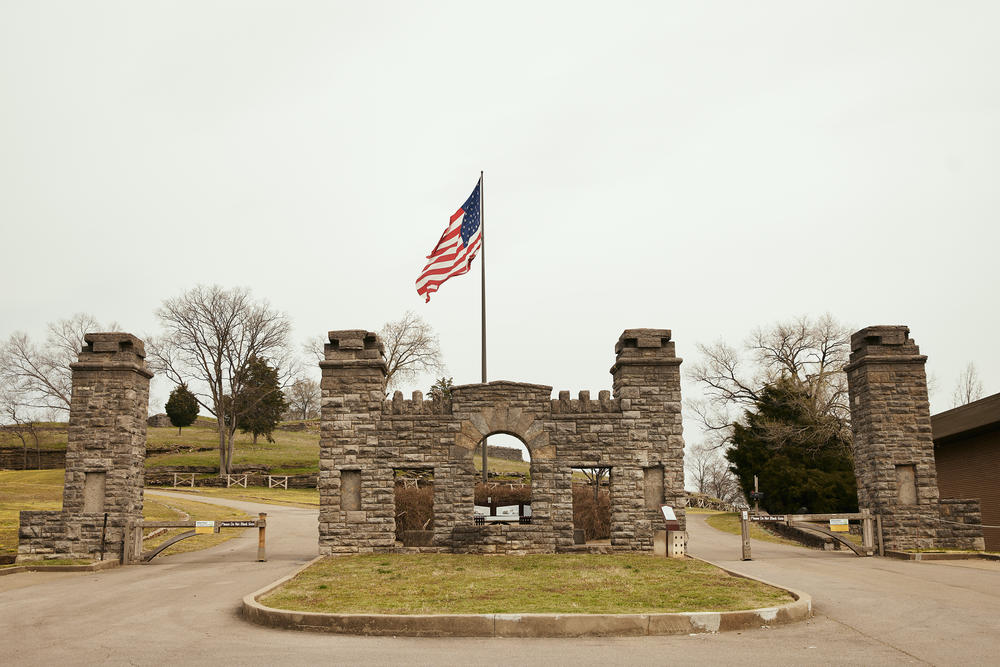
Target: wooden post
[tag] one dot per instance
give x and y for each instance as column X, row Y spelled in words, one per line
column 745, row 534
column 867, row 539
column 261, row 528
column 878, row 530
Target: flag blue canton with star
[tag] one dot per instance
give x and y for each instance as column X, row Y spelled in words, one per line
column 470, row 223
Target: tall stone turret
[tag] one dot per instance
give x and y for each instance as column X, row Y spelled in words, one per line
column 105, row 454
column 356, row 509
column 646, row 378
column 894, row 449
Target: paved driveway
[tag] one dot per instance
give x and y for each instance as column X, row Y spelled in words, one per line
column 183, row 609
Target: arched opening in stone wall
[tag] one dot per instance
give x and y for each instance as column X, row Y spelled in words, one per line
column 591, row 505
column 503, row 494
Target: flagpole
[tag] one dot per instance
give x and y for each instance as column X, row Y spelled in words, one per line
column 482, row 263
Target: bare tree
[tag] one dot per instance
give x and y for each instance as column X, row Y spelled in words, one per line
column 968, row 388
column 411, row 348
column 19, row 423
column 810, row 354
column 709, row 473
column 40, row 376
column 210, row 335
column 303, row 398
column 596, row 477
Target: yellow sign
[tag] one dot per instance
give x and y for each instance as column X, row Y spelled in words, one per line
column 204, row 527
column 839, row 526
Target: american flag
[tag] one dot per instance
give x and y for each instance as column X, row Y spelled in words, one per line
column 453, row 254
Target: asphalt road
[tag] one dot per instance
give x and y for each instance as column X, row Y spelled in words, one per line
column 183, row 609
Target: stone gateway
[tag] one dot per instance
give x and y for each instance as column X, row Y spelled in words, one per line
column 635, row 430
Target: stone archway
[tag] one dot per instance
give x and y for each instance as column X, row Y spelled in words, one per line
column 501, row 418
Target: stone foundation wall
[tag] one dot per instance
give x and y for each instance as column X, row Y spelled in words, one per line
column 57, row 535
column 893, row 447
column 364, row 439
column 13, row 458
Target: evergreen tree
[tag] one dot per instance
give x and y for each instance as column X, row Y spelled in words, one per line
column 261, row 402
column 800, row 460
column 181, row 407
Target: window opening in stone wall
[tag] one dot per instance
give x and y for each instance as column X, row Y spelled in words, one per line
column 505, row 496
column 413, row 490
column 906, row 484
column 350, row 490
column 591, row 505
column 93, row 492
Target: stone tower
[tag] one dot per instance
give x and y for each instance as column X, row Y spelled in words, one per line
column 646, row 377
column 893, row 447
column 357, row 512
column 105, row 454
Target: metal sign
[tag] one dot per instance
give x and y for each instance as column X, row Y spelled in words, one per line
column 237, row 524
column 766, row 517
column 840, row 525
column 204, row 527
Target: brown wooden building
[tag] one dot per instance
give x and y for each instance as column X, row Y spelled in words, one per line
column 967, row 454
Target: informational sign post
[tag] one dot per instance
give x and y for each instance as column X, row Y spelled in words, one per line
column 670, row 518
column 201, row 527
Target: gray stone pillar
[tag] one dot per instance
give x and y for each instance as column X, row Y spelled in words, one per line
column 355, row 489
column 647, row 378
column 893, row 447
column 105, row 454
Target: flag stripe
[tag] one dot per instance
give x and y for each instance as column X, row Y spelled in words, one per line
column 455, row 250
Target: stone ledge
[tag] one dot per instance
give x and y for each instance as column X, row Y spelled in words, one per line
column 29, row 567
column 524, row 625
column 940, row 555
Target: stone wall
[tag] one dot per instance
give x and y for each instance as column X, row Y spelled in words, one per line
column 893, row 447
column 13, row 458
column 364, row 439
column 104, row 455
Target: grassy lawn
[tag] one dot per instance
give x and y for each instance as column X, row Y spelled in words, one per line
column 308, row 498
column 51, row 435
column 729, row 522
column 26, row 490
column 292, row 452
column 549, row 583
column 42, row 490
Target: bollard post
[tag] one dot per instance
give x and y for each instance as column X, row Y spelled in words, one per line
column 745, row 534
column 261, row 528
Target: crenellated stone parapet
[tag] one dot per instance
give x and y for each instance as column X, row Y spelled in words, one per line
column 366, row 437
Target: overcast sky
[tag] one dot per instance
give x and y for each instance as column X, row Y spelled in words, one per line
column 704, row 167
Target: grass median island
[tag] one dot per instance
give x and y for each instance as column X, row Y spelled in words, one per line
column 545, row 583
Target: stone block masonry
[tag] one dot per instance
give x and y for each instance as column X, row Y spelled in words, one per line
column 894, row 450
column 365, row 438
column 105, row 453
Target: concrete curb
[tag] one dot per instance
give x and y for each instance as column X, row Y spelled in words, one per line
column 940, row 555
column 28, row 567
column 524, row 625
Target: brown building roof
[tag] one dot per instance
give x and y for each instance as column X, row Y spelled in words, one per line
column 966, row 420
